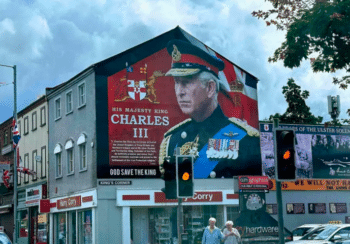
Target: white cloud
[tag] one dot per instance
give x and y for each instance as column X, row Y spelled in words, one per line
column 39, row 26
column 7, row 25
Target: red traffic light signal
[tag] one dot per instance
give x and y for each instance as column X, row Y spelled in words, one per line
column 284, row 154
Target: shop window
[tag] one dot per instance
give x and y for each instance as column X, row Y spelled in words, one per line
column 85, row 227
column 194, row 222
column 161, row 228
column 23, row 225
column 232, row 213
column 42, row 228
column 72, row 227
column 61, row 229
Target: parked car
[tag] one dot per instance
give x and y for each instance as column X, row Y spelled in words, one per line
column 328, row 234
column 302, row 230
column 4, row 239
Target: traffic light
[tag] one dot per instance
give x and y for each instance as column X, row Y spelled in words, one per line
column 285, row 154
column 184, row 172
column 170, row 179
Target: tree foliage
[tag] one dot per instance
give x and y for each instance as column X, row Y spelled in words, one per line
column 316, row 29
column 297, row 112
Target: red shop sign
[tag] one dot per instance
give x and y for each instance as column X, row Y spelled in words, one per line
column 69, row 202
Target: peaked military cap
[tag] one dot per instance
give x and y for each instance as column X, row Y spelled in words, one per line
column 189, row 59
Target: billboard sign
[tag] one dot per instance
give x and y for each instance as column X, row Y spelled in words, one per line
column 321, row 153
column 148, row 118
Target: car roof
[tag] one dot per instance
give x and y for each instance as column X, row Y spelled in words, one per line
column 309, row 225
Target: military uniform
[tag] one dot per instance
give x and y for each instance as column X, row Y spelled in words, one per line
column 226, row 146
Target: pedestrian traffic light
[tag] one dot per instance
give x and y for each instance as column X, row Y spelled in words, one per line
column 170, row 179
column 285, row 154
column 184, row 172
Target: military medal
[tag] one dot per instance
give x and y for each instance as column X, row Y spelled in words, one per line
column 190, row 148
column 222, row 148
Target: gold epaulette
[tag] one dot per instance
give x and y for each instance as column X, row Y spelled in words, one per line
column 163, row 152
column 251, row 131
column 177, row 126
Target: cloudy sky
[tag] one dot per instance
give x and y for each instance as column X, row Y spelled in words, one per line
column 51, row 41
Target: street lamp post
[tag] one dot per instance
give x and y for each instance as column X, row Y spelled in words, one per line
column 15, row 155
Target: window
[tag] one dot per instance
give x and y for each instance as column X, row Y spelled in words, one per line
column 69, row 102
column 58, row 165
column 58, row 152
column 11, row 134
column 82, row 152
column 43, row 162
column 19, row 127
column 85, row 226
column 19, row 177
column 70, row 161
column 34, row 120
column 26, row 125
column 26, row 165
column 58, row 108
column 6, row 136
column 82, row 156
column 23, row 224
column 61, row 231
column 344, row 233
column 34, row 164
column 70, row 157
column 42, row 116
column 81, row 94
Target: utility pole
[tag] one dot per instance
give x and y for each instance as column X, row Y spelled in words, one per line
column 15, row 153
column 278, row 193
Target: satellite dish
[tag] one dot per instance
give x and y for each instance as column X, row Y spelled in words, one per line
column 38, row 158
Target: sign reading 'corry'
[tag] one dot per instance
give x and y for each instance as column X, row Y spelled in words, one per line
column 214, row 196
column 205, row 197
column 69, row 202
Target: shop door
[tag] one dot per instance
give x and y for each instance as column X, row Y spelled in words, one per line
column 33, row 225
column 140, row 226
